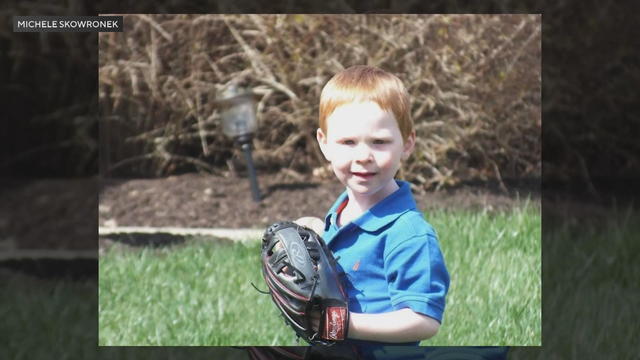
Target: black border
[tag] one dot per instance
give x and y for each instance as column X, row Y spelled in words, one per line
column 560, row 24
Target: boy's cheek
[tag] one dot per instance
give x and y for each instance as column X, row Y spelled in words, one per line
column 339, row 162
column 337, row 154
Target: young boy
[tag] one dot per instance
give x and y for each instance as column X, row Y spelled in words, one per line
column 396, row 277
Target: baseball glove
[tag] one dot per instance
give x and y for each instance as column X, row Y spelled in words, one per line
column 302, row 277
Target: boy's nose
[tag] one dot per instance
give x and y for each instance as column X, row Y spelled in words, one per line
column 363, row 153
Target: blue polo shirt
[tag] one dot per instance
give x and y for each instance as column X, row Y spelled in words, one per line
column 391, row 258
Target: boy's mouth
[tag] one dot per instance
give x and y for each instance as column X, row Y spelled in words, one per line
column 363, row 175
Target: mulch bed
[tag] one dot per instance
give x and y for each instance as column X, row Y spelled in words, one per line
column 65, row 213
column 203, row 201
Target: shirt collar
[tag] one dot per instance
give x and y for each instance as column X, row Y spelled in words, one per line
column 382, row 213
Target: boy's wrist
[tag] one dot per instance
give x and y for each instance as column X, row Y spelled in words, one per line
column 351, row 334
column 354, row 331
column 397, row 326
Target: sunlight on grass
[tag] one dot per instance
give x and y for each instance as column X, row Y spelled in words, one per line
column 186, row 295
column 494, row 263
column 200, row 293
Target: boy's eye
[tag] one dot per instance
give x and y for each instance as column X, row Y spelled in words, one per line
column 380, row 141
column 347, row 142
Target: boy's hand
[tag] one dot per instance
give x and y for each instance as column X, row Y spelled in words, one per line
column 313, row 223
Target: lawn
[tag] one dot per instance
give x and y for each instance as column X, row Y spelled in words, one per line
column 590, row 296
column 590, row 287
column 495, row 265
column 200, row 293
column 47, row 319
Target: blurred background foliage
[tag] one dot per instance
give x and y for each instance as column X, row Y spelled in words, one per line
column 49, row 89
column 474, row 81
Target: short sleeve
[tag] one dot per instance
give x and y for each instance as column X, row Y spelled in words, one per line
column 416, row 274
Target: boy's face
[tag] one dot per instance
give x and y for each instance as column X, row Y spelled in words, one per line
column 365, row 148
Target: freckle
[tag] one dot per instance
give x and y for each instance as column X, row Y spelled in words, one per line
column 356, row 266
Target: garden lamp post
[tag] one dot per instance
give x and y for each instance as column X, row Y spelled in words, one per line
column 238, row 113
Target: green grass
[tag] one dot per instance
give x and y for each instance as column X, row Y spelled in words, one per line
column 591, row 293
column 495, row 268
column 45, row 319
column 57, row 319
column 589, row 284
column 200, row 293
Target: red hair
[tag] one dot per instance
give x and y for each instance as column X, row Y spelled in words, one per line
column 363, row 83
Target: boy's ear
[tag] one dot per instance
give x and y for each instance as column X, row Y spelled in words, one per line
column 322, row 141
column 409, row 145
